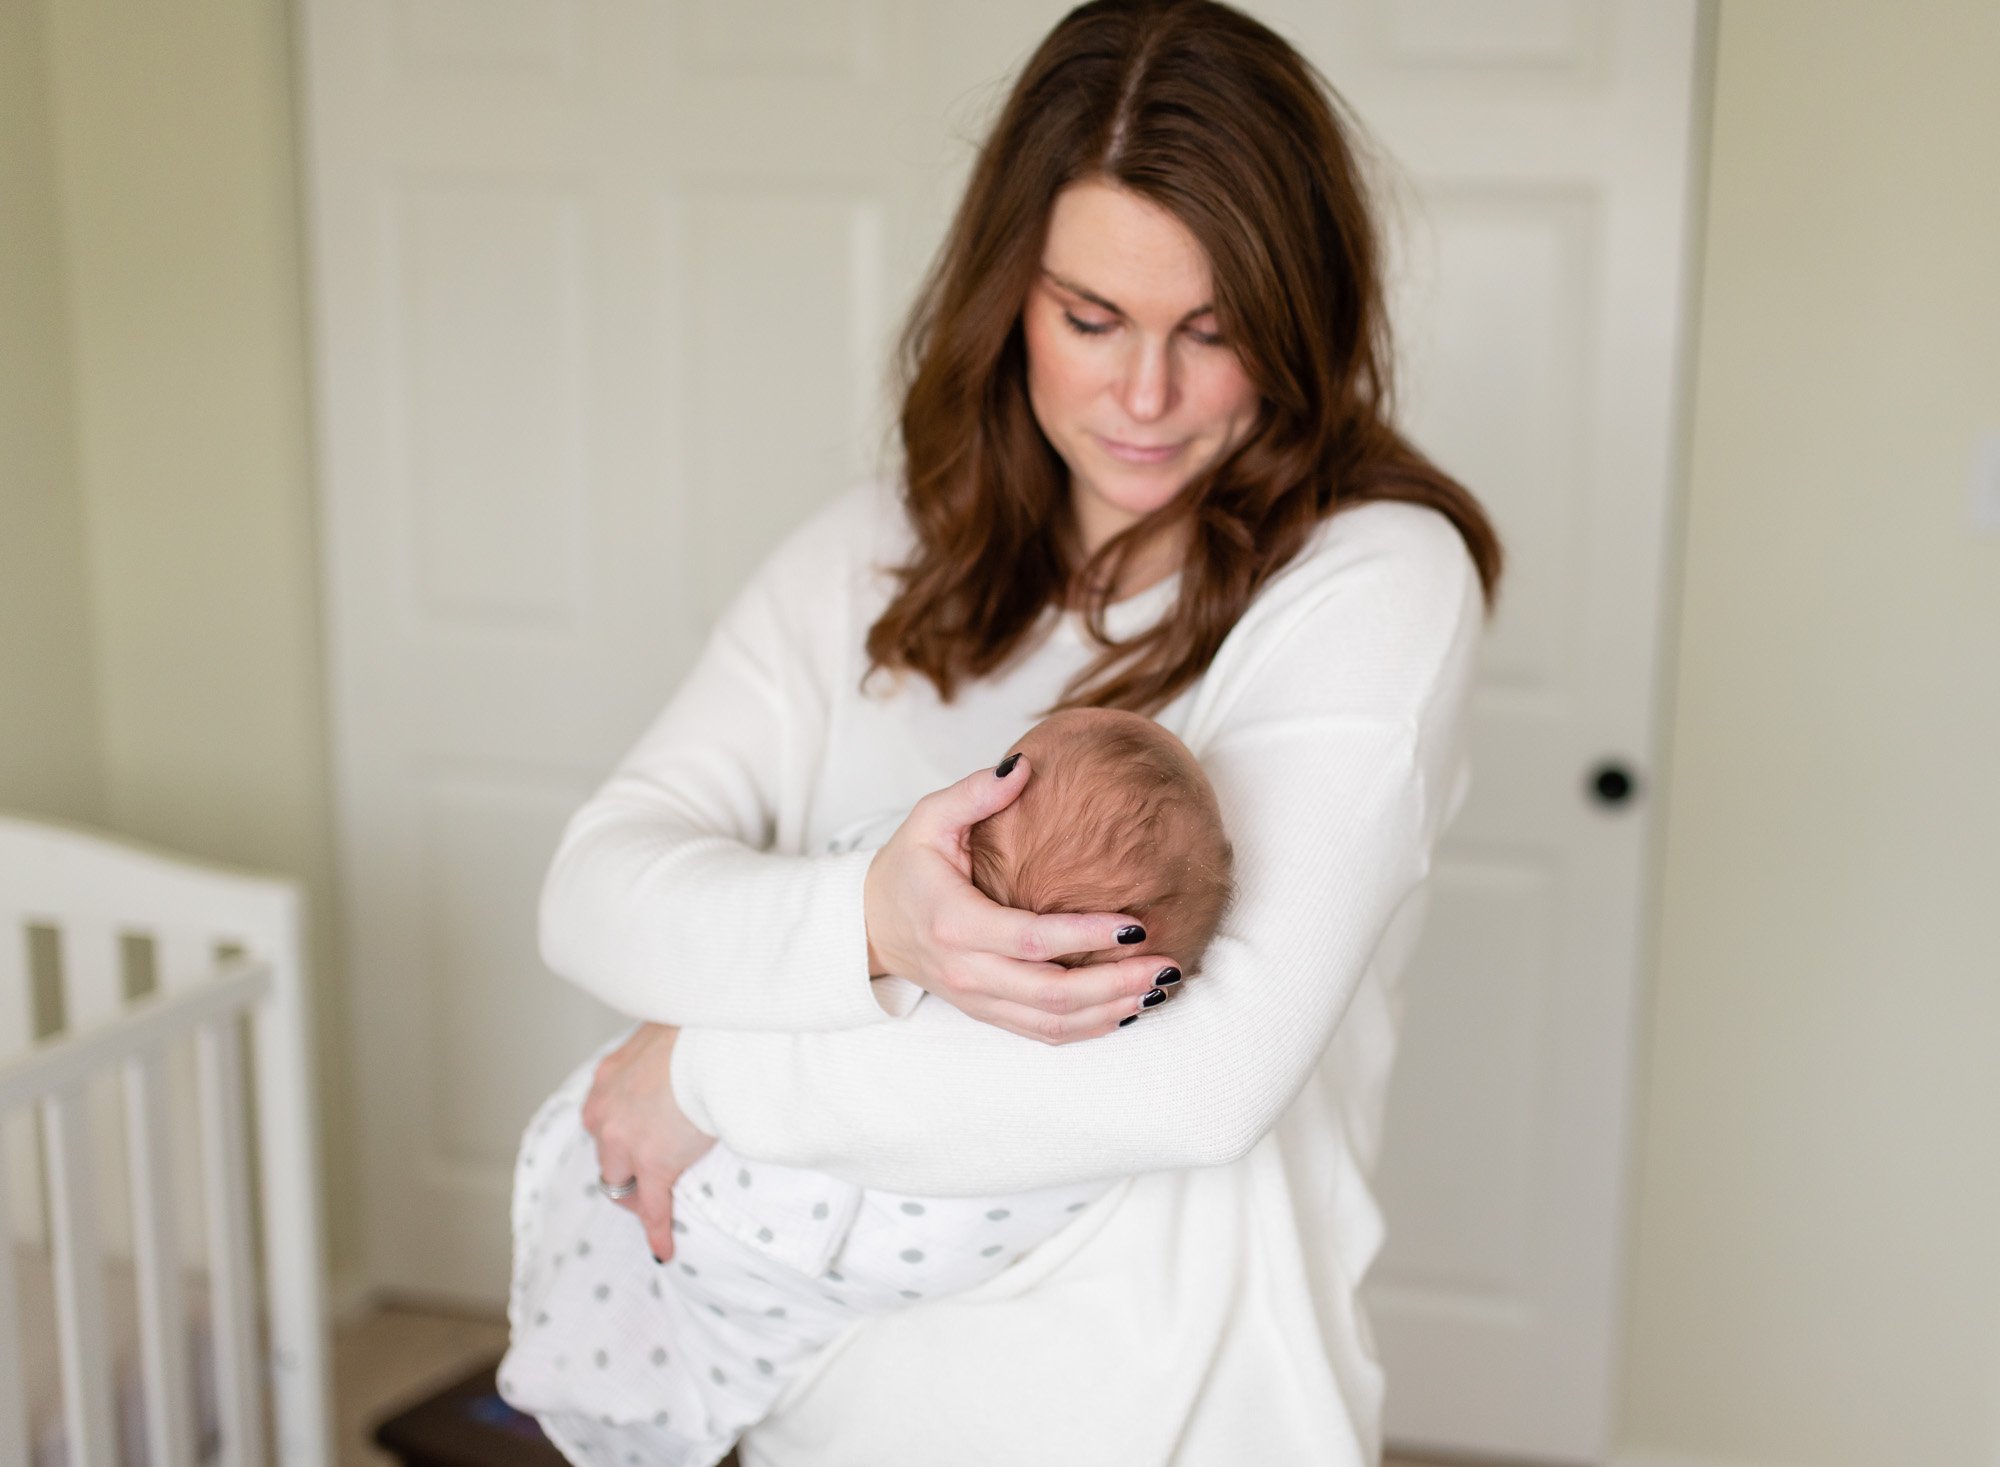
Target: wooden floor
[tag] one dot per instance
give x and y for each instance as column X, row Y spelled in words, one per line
column 394, row 1356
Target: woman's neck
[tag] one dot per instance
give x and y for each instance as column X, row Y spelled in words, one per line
column 1150, row 565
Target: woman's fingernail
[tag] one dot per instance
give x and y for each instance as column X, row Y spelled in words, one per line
column 658, row 1259
column 1167, row 977
column 1128, row 1019
column 1006, row 766
column 1130, row 933
column 1158, row 995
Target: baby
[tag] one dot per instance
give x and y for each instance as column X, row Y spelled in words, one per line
column 626, row 1360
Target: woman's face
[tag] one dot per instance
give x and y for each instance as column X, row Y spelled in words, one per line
column 1127, row 375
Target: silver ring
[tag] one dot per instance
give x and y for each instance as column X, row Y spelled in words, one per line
column 620, row 1191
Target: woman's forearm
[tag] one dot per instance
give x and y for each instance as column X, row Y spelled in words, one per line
column 691, row 929
column 943, row 1105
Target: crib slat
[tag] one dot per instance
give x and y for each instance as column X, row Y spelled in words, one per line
column 184, row 959
column 21, row 1211
column 287, row 1156
column 181, row 957
column 232, row 1279
column 13, row 1408
column 79, row 1276
column 17, row 999
column 93, row 984
column 92, row 970
column 156, row 1251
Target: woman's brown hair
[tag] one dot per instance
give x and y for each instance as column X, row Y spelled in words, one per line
column 1216, row 119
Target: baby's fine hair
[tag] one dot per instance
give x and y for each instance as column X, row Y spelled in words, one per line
column 1117, row 816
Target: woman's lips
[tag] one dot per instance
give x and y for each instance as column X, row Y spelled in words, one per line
column 1133, row 454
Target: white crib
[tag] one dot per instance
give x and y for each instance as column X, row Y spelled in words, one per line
column 138, row 970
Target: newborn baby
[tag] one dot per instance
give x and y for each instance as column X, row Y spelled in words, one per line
column 625, row 1360
column 1117, row 817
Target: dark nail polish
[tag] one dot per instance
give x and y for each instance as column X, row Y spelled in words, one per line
column 1130, row 933
column 1158, row 995
column 1128, row 1019
column 658, row 1259
column 1006, row 766
column 1167, row 977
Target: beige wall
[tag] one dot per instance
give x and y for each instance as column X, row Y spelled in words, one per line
column 1817, row 1274
column 48, row 703
column 177, row 207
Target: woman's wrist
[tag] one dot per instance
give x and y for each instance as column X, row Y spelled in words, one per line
column 878, row 966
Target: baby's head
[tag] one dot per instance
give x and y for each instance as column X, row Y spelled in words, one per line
column 1117, row 817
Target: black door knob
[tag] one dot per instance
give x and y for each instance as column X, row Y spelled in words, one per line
column 1612, row 783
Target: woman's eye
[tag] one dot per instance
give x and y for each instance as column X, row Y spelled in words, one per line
column 1208, row 338
column 1087, row 328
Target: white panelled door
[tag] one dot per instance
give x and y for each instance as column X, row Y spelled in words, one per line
column 1542, row 259
column 604, row 295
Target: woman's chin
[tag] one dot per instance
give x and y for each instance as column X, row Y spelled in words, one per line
column 1158, row 494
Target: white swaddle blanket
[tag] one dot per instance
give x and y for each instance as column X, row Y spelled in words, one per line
column 624, row 1360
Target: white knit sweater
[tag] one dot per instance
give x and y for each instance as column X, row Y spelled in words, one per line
column 1204, row 1311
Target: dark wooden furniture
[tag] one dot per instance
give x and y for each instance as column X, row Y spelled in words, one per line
column 466, row 1424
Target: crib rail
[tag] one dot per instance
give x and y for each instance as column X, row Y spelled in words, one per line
column 89, row 895
column 134, row 1035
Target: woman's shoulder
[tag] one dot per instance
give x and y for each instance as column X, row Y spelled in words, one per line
column 840, row 546
column 1415, row 543
column 1388, row 558
column 1380, row 608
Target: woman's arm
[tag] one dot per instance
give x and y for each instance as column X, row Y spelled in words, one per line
column 1329, row 733
column 663, row 899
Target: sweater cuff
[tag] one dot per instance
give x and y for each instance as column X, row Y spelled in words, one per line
column 851, row 995
column 896, row 996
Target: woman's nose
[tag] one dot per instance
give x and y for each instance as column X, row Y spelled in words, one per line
column 1148, row 389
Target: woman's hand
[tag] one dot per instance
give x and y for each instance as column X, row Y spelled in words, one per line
column 641, row 1132
column 928, row 923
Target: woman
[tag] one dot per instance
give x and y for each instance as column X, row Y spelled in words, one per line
column 1148, row 465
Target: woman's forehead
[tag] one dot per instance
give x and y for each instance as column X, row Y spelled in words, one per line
column 1110, row 243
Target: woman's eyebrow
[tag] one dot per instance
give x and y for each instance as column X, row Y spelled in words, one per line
column 1097, row 300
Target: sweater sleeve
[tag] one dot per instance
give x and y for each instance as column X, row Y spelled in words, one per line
column 1330, row 733
column 664, row 898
